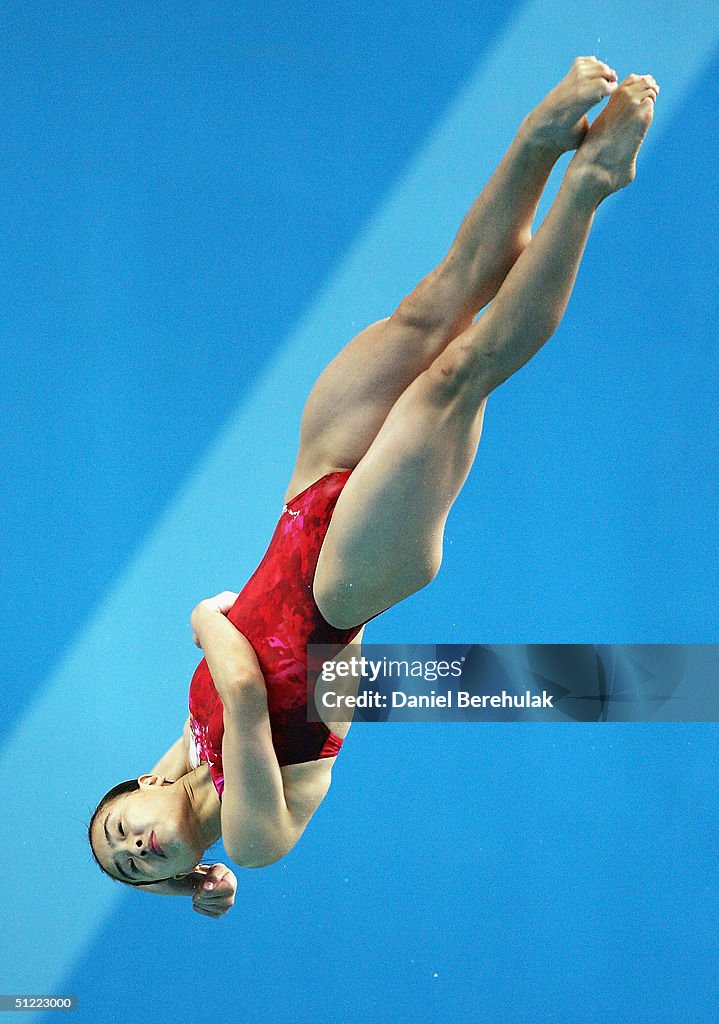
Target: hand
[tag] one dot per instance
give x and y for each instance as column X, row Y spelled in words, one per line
column 219, row 604
column 215, row 892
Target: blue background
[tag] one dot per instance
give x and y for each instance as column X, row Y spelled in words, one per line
column 181, row 186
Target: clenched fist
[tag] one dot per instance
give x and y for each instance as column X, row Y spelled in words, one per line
column 215, row 892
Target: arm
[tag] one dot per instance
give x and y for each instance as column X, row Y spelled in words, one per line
column 174, row 763
column 211, row 886
column 258, row 825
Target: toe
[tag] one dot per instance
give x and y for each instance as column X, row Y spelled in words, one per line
column 607, row 72
column 646, row 111
column 606, row 86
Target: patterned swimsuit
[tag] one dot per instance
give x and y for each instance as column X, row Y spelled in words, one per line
column 278, row 614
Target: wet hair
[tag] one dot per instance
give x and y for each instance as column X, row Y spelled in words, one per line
column 130, row 786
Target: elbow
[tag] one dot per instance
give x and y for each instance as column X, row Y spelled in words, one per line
column 260, row 847
column 264, row 862
column 253, row 856
column 244, row 694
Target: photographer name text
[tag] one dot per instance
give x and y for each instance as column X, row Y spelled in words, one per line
column 448, row 699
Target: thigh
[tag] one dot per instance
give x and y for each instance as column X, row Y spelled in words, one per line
column 385, row 539
column 354, row 394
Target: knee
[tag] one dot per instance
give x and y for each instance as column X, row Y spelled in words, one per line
column 522, row 241
column 507, row 256
column 429, row 309
column 465, row 369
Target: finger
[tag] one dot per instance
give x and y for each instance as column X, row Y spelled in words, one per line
column 226, row 600
column 205, row 913
column 217, row 870
column 206, row 903
column 212, row 911
column 211, row 878
column 216, row 874
column 214, row 900
column 604, row 70
column 219, row 894
column 211, row 902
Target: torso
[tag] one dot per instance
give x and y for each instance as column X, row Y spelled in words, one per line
column 274, row 613
column 296, row 777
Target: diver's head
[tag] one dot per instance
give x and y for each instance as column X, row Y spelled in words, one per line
column 145, row 830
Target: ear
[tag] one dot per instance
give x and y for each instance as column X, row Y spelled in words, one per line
column 151, row 781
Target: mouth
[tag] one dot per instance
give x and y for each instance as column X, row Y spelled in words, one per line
column 155, row 846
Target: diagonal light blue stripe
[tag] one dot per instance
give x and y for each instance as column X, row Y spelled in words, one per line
column 123, row 683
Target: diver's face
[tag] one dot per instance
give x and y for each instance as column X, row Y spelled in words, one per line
column 148, row 835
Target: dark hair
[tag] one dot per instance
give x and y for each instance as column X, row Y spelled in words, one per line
column 119, row 790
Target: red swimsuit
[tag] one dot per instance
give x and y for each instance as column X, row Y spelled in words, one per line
column 277, row 613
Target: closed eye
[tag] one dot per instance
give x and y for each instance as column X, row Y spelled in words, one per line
column 130, row 863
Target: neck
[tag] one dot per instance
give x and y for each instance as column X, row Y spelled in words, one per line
column 205, row 803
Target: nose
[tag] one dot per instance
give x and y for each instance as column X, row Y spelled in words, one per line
column 141, row 846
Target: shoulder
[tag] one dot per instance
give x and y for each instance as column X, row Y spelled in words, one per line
column 188, row 747
column 174, row 763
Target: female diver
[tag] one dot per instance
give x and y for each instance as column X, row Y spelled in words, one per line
column 388, row 435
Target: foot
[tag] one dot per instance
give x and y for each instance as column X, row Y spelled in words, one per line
column 606, row 160
column 560, row 121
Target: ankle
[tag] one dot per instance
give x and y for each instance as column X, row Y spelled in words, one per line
column 534, row 138
column 587, row 183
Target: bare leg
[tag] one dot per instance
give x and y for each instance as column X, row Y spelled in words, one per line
column 535, row 293
column 385, row 539
column 498, row 227
column 368, row 376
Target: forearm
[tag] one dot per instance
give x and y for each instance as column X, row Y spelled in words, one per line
column 257, row 826
column 173, row 764
column 184, row 886
column 211, row 887
column 229, row 656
